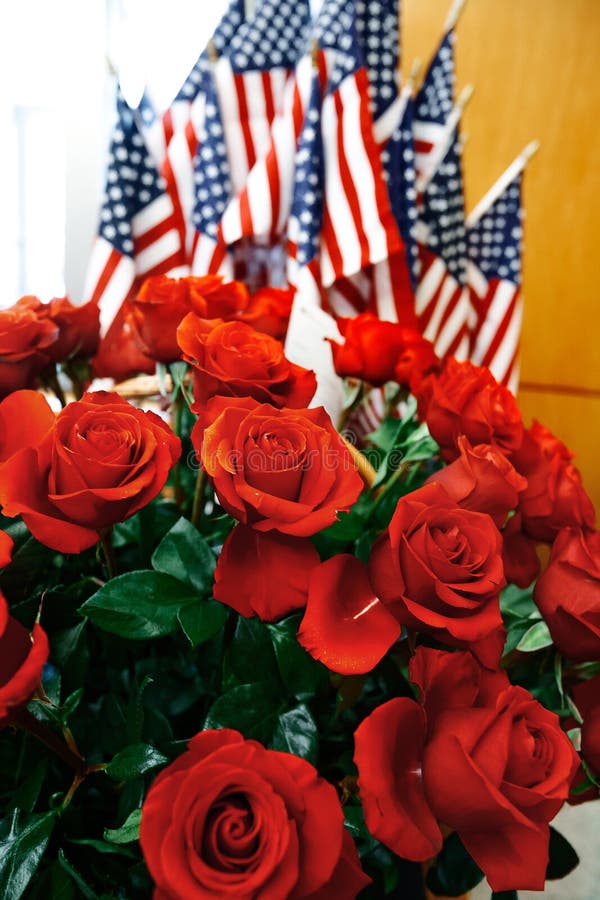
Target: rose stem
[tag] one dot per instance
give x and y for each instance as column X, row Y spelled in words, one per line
column 177, row 413
column 54, row 384
column 198, row 507
column 109, row 552
column 24, row 720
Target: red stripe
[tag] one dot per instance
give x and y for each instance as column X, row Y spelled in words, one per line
column 423, row 147
column 147, row 238
column 191, row 137
column 243, row 119
column 267, row 87
column 333, row 247
column 219, row 254
column 107, row 272
column 351, row 293
column 164, row 266
column 427, row 260
column 502, row 327
column 273, row 175
column 348, row 183
column 245, row 214
column 173, row 192
column 167, row 123
column 382, row 199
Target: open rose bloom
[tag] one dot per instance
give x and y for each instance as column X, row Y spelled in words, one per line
column 248, row 650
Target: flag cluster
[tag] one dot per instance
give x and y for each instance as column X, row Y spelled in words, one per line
column 293, row 155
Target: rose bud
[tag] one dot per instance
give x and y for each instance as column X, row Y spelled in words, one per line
column 269, row 826
column 100, row 461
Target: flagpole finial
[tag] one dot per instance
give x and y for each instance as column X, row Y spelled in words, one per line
column 464, row 97
column 110, row 65
column 413, row 75
column 530, row 150
column 314, row 52
column 213, row 54
column 454, row 15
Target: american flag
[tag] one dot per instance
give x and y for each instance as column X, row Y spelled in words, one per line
column 173, row 137
column 306, row 219
column 378, row 32
column 359, row 228
column 435, row 97
column 400, row 170
column 212, row 188
column 442, row 301
column 138, row 234
column 495, row 236
column 251, row 79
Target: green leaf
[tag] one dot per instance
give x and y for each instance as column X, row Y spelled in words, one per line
column 128, row 832
column 250, row 657
column 26, row 795
column 252, row 709
column 202, row 620
column 300, row 673
column 184, row 554
column 387, row 435
column 454, row 872
column 535, row 638
column 104, row 847
column 133, row 761
column 356, row 825
column 23, row 839
column 563, row 858
column 139, row 605
column 505, row 895
column 517, row 602
column 296, row 732
column 83, row 886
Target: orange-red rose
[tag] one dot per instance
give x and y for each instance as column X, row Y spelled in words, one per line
column 99, row 462
column 78, row 326
column 231, row 819
column 25, row 346
column 162, row 302
column 118, row 356
column 568, row 594
column 279, row 469
column 269, row 310
column 478, row 755
column 22, row 659
column 467, row 399
column 232, row 359
column 377, row 351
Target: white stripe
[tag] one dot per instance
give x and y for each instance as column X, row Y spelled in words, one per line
column 116, row 291
column 335, row 196
column 513, row 382
column 153, row 214
column 279, row 81
column 182, row 166
column 455, row 323
column 506, row 350
column 99, row 256
column 428, row 285
column 327, row 273
column 447, row 290
column 384, row 292
column 361, row 173
column 257, row 112
column 503, row 295
column 230, row 117
column 158, row 251
column 339, row 304
column 476, row 279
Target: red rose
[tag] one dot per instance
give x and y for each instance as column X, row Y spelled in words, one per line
column 377, row 351
column 482, row 479
column 282, row 469
column 6, row 549
column 231, row 819
column 25, row 417
column 118, row 356
column 438, row 569
column 466, row 399
column 78, row 326
column 568, row 594
column 25, row 342
column 478, row 755
column 232, row 359
column 555, row 497
column 586, row 695
column 521, row 562
column 23, row 657
column 269, row 310
column 99, row 463
column 251, row 562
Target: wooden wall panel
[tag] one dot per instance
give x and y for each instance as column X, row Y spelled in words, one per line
column 535, row 67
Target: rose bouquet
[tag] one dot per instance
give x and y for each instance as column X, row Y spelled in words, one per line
column 252, row 652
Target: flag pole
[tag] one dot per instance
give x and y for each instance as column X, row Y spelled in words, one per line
column 438, row 154
column 498, row 188
column 454, row 15
column 414, row 74
column 212, row 52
